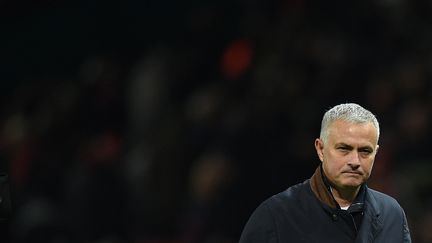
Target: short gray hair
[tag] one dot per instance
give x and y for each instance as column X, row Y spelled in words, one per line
column 350, row 112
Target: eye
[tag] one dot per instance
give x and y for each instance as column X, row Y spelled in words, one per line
column 366, row 151
column 343, row 149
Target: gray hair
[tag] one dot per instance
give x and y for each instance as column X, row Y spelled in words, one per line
column 349, row 112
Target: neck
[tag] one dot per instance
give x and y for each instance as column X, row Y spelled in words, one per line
column 344, row 197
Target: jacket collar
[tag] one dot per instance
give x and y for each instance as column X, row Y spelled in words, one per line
column 322, row 190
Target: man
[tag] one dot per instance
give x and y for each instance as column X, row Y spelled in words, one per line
column 335, row 204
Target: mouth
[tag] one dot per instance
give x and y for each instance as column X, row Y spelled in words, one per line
column 353, row 172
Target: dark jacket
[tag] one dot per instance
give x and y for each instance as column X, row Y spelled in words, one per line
column 298, row 215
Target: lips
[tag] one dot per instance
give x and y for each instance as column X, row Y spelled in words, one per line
column 353, row 172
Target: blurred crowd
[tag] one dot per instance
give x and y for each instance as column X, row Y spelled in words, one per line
column 169, row 122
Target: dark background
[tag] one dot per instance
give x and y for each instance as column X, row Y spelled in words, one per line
column 170, row 121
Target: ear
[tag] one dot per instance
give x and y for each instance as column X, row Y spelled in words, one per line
column 319, row 146
column 376, row 149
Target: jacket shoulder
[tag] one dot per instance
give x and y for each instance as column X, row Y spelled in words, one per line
column 390, row 212
column 383, row 200
column 291, row 194
column 385, row 205
column 267, row 217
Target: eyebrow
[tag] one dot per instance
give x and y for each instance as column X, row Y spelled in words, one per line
column 351, row 147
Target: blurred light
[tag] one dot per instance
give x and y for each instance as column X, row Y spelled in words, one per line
column 237, row 58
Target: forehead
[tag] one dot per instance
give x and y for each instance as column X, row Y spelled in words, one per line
column 341, row 131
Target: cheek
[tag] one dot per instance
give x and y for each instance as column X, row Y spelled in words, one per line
column 367, row 166
column 333, row 166
column 335, row 162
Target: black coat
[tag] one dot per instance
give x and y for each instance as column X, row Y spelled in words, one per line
column 296, row 215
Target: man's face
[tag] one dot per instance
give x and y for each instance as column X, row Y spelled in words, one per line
column 349, row 153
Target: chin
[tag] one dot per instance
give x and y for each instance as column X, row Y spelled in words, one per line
column 351, row 184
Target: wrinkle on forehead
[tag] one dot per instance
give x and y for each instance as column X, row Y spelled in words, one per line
column 359, row 134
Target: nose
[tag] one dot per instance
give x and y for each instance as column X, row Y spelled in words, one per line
column 354, row 160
